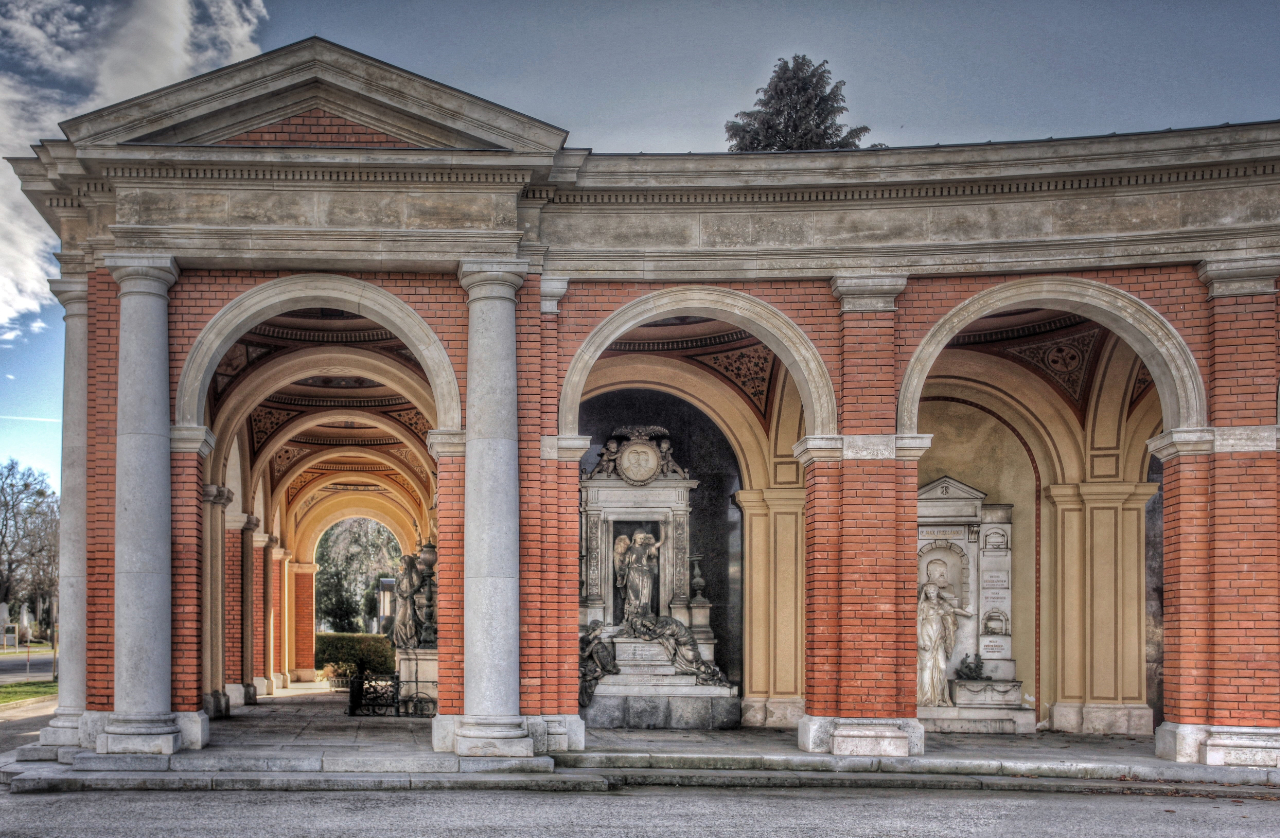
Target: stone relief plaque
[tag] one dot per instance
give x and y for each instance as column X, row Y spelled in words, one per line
column 638, row 461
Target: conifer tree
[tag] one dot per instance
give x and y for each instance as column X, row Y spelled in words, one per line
column 796, row 111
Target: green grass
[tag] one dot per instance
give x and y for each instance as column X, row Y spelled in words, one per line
column 26, row 689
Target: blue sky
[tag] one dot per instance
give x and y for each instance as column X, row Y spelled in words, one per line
column 635, row 76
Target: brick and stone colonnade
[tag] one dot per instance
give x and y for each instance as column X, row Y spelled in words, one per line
column 859, row 348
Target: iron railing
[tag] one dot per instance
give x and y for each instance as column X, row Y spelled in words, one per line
column 387, row 695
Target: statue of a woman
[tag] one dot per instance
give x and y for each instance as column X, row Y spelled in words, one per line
column 407, row 626
column 595, row 660
column 935, row 641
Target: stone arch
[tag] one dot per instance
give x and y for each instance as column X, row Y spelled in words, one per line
column 424, row 489
column 773, row 328
column 301, row 423
column 316, row 291
column 319, row 518
column 1157, row 342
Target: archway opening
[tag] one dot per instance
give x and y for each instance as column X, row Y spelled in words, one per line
column 1040, row 416
column 728, row 410
column 354, row 558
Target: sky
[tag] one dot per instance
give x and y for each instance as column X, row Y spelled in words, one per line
column 624, row 77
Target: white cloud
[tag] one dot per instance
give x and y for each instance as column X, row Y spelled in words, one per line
column 37, row 326
column 10, row 334
column 64, row 58
column 10, row 377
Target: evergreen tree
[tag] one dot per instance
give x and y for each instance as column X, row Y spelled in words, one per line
column 797, row 111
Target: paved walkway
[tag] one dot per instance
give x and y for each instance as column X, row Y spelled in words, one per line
column 310, row 717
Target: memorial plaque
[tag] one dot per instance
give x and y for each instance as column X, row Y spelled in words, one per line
column 942, row 533
column 995, row 579
column 996, row 648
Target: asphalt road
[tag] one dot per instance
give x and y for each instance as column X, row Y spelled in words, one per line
column 13, row 668
column 635, row 813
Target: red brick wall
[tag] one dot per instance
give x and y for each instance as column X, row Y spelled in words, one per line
column 234, row 626
column 259, row 614
column 104, row 314
column 822, row 574
column 1187, row 630
column 304, row 623
column 186, row 560
column 316, row 128
column 277, row 615
column 449, row 507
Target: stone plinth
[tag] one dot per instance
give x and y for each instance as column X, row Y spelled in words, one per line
column 648, row 693
column 981, row 707
column 419, row 671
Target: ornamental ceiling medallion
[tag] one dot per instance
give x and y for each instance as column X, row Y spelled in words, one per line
column 283, row 458
column 1065, row 358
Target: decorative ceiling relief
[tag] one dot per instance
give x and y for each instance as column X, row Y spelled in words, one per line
column 750, row 368
column 413, row 462
column 407, row 484
column 239, row 357
column 264, row 421
column 1142, row 384
column 1065, row 359
column 412, row 419
column 299, row 482
column 285, row 457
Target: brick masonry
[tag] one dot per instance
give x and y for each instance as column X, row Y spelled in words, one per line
column 1222, row 568
column 316, row 128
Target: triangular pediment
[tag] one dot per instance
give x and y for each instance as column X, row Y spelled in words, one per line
column 948, row 488
column 371, row 104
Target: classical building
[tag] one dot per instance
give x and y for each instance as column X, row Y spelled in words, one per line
column 864, row 416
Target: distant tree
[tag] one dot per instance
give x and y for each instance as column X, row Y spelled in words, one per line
column 797, row 111
column 350, row 555
column 28, row 527
column 36, row 580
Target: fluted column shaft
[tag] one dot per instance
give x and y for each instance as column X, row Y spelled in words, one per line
column 491, row 588
column 142, row 719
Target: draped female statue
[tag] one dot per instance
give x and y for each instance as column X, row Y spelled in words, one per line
column 935, row 641
column 404, row 635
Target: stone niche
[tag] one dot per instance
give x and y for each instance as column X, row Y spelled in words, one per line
column 963, row 545
column 649, row 690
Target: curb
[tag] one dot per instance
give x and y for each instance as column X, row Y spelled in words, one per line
column 53, row 780
column 26, row 702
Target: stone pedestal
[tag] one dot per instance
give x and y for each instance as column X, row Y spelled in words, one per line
column 860, row 737
column 649, row 694
column 419, row 671
column 1219, row 744
column 981, row 707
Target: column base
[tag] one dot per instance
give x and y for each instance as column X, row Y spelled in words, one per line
column 442, row 730
column 152, row 733
column 93, row 723
column 860, row 737
column 262, row 686
column 1256, row 747
column 554, row 734
column 194, row 728
column 217, row 704
column 492, row 736
column 1123, row 719
column 780, row 713
column 64, row 729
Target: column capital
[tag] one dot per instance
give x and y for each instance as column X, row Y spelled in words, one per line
column 569, row 449
column 218, row 495
column 446, row 444
column 72, row 294
column 191, row 439
column 1179, row 441
column 868, row 292
column 140, row 268
column 815, row 449
column 1239, row 277
column 553, row 289
column 251, row 523
column 497, row 279
column 308, row 569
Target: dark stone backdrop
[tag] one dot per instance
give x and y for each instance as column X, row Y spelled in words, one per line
column 715, row 522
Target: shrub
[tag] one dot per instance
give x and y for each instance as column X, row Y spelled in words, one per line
column 362, row 652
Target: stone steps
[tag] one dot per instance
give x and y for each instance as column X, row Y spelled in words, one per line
column 284, row 762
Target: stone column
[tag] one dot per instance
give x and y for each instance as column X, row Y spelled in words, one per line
column 492, row 724
column 247, row 561
column 64, row 729
column 217, row 703
column 142, row 720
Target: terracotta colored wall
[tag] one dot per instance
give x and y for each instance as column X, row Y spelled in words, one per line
column 304, row 623
column 259, row 615
column 234, row 625
column 316, row 128
column 104, row 313
column 186, row 559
